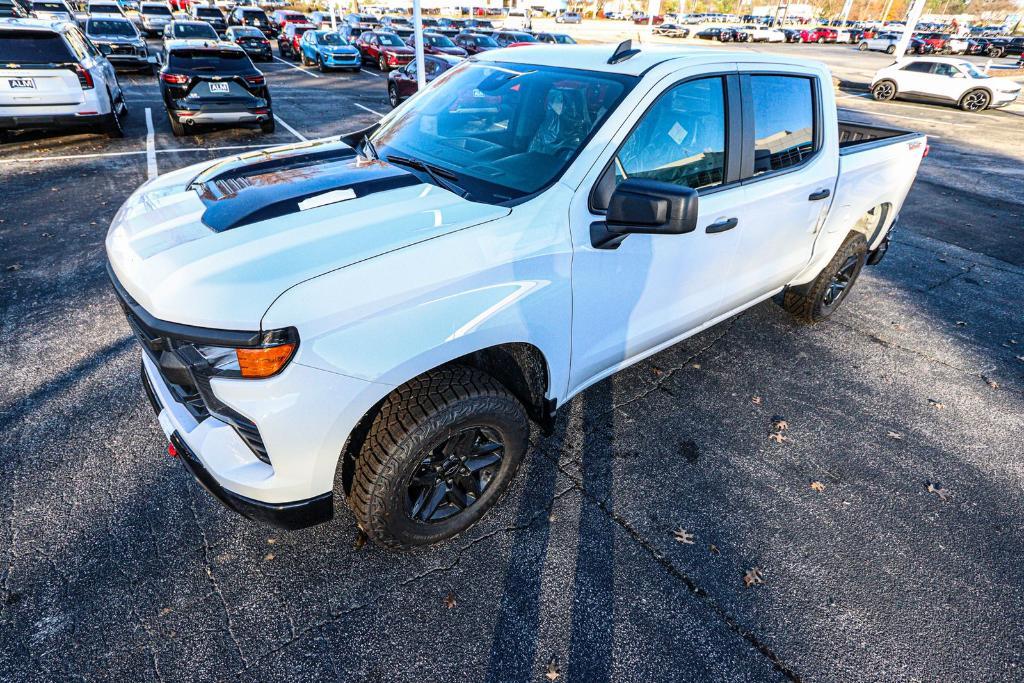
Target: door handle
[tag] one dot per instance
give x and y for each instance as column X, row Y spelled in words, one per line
column 722, row 225
column 820, row 194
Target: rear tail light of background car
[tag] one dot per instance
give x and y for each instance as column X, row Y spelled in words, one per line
column 255, row 80
column 177, row 79
column 84, row 77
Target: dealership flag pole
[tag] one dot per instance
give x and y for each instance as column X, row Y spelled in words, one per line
column 417, row 27
column 908, row 30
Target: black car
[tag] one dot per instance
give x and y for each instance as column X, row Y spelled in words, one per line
column 213, row 83
column 1005, row 47
column 255, row 17
column 792, row 35
column 556, row 38
column 475, row 43
column 252, row 40
column 119, row 40
column 211, row 15
column 506, row 38
column 717, row 33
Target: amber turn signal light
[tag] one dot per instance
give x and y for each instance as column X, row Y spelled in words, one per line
column 257, row 363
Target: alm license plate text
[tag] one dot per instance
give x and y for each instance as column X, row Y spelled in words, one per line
column 218, row 87
column 22, row 83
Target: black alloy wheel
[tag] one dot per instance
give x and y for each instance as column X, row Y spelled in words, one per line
column 454, row 475
column 840, row 283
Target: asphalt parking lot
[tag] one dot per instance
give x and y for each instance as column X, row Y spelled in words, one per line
column 906, row 411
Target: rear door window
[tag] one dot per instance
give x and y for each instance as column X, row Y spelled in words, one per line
column 784, row 121
column 33, row 47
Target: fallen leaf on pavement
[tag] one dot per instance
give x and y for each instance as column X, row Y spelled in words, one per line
column 942, row 493
column 360, row 540
column 271, row 541
column 756, row 400
column 753, row 577
column 683, row 536
column 713, row 549
column 817, row 486
column 779, row 424
column 553, row 674
column 895, row 435
column 991, row 382
column 269, row 557
column 778, row 437
column 936, row 404
column 658, row 372
column 13, row 267
column 961, row 323
column 449, row 601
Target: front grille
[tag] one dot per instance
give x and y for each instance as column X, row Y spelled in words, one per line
column 122, row 50
column 192, row 390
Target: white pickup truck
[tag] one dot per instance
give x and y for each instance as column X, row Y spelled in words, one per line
column 383, row 314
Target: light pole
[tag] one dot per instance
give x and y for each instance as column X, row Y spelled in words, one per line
column 908, row 30
column 417, row 32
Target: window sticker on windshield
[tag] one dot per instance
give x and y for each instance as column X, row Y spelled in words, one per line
column 677, row 133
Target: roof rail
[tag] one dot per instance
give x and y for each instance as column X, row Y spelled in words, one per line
column 623, row 52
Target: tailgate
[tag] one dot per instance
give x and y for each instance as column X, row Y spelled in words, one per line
column 28, row 87
column 218, row 90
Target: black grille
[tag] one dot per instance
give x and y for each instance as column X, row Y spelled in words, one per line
column 122, row 50
column 171, row 357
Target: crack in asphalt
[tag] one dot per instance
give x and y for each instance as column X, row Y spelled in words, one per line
column 954, row 276
column 334, row 616
column 213, row 582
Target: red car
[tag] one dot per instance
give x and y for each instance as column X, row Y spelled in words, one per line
column 819, row 35
column 402, row 82
column 437, row 44
column 179, row 5
column 288, row 41
column 384, row 49
column 936, row 40
column 658, row 19
column 283, row 17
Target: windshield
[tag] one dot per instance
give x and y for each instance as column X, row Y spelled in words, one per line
column 972, row 71
column 48, row 7
column 515, row 128
column 390, row 39
column 331, row 39
column 105, row 9
column 247, row 32
column 109, row 27
column 194, row 31
column 564, row 40
column 438, row 41
column 522, row 38
column 485, row 41
column 208, row 12
column 157, row 10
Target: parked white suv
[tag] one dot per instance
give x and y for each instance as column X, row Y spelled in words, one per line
column 51, row 76
column 944, row 79
column 388, row 310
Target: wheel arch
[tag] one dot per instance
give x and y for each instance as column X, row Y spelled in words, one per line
column 520, row 367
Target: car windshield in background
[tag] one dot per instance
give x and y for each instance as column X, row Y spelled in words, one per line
column 438, row 41
column 109, row 27
column 104, row 9
column 523, row 38
column 48, row 7
column 254, row 14
column 195, row 31
column 32, row 47
column 331, row 39
column 390, row 39
column 515, row 127
column 485, row 41
column 208, row 60
column 156, row 10
column 564, row 39
column 212, row 12
column 248, row 32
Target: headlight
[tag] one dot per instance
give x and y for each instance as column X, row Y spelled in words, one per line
column 266, row 360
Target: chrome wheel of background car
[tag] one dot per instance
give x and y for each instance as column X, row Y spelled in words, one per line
column 885, row 90
column 976, row 100
column 454, row 474
column 839, row 283
column 393, row 96
column 383, row 65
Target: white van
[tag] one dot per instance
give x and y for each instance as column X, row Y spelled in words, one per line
column 517, row 20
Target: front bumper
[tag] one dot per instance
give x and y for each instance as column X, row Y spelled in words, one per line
column 353, row 60
column 1002, row 99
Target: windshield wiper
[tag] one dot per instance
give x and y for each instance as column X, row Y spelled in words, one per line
column 368, row 145
column 442, row 177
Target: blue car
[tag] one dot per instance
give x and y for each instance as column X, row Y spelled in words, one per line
column 328, row 50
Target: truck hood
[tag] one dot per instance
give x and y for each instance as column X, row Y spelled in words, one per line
column 214, row 244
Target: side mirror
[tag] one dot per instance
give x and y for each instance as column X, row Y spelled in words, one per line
column 646, row 207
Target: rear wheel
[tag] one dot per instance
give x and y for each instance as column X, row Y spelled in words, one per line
column 820, row 41
column 890, row 49
column 862, row 47
column 884, row 91
column 268, row 126
column 819, row 299
column 439, row 455
column 177, row 127
column 112, row 126
column 975, row 100
column 393, row 95
column 995, row 52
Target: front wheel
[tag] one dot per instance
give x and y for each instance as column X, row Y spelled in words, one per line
column 884, row 91
column 975, row 100
column 820, row 41
column 320, row 64
column 862, row 47
column 393, row 95
column 439, row 454
column 382, row 64
column 995, row 52
column 819, row 299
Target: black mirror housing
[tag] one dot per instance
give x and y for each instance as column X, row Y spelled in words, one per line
column 639, row 205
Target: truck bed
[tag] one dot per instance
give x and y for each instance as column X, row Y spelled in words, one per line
column 856, row 137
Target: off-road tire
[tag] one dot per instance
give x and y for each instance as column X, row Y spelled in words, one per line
column 412, row 421
column 807, row 303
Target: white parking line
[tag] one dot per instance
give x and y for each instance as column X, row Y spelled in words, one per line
column 367, row 109
column 294, row 66
column 151, row 170
column 173, row 150
column 291, row 130
column 371, row 73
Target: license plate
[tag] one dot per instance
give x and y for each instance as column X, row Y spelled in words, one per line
column 218, row 87
column 22, row 83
